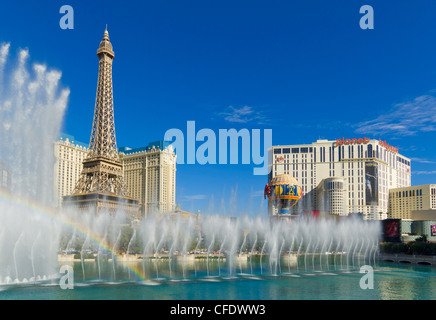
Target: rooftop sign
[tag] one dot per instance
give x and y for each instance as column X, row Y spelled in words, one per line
column 387, row 146
column 365, row 140
column 352, row 141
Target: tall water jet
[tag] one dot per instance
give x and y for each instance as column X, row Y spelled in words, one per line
column 336, row 252
column 279, row 256
column 32, row 106
column 70, row 242
column 85, row 243
column 148, row 232
column 328, row 252
column 219, row 254
column 314, row 254
column 299, row 250
column 305, row 254
column 99, row 253
column 291, row 248
column 113, row 253
column 199, row 240
column 15, row 256
column 158, row 246
column 32, row 256
column 175, row 235
column 240, row 250
column 186, row 239
column 130, row 243
column 251, row 253
column 209, row 248
column 261, row 254
column 232, row 233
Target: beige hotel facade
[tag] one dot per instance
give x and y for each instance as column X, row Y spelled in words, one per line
column 343, row 176
column 149, row 172
column 414, row 202
column 150, row 176
column 69, row 156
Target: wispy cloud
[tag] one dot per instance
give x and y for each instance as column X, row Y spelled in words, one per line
column 406, row 118
column 245, row 114
column 424, row 172
column 421, row 160
column 195, row 197
column 256, row 193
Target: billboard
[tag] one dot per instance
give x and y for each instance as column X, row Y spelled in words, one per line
column 371, row 183
column 392, row 230
column 433, row 230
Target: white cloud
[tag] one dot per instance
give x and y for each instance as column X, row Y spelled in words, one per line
column 421, row 160
column 406, row 118
column 424, row 172
column 195, row 197
column 243, row 114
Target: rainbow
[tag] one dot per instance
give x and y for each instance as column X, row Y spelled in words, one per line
column 66, row 221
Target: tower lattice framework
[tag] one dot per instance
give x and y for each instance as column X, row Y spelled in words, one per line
column 101, row 183
column 102, row 169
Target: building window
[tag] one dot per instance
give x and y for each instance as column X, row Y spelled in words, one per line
column 370, row 155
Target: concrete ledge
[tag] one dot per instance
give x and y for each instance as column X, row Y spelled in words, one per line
column 410, row 259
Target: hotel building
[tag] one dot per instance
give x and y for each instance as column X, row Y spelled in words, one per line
column 149, row 172
column 343, row 176
column 69, row 156
column 150, row 175
column 416, row 203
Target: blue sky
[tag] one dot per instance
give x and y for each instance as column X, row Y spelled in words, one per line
column 304, row 69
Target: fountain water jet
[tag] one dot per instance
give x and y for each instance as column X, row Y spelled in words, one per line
column 32, row 252
column 130, row 243
column 195, row 251
column 81, row 254
column 113, row 253
column 251, row 254
column 15, row 256
column 219, row 255
column 240, row 250
column 32, row 106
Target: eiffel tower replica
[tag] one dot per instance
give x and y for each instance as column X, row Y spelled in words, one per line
column 101, row 185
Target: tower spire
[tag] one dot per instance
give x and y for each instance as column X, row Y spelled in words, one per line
column 103, row 141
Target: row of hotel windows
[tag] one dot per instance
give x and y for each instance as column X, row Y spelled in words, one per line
column 292, row 150
column 408, row 193
column 335, row 185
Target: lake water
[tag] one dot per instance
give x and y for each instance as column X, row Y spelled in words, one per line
column 246, row 281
